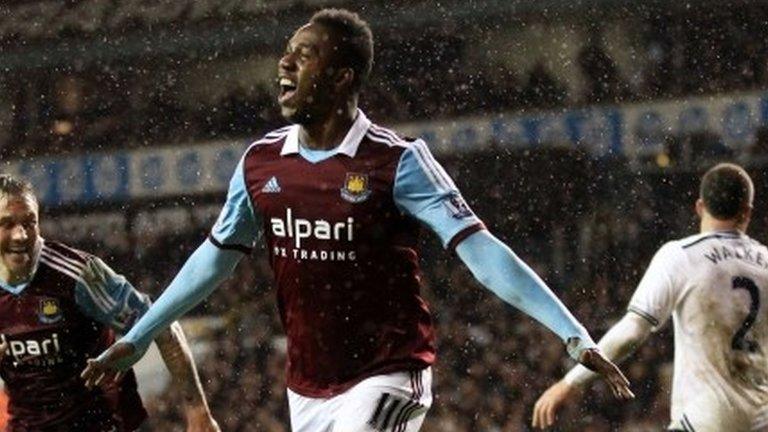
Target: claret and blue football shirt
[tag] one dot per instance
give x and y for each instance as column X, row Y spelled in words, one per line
column 65, row 314
column 341, row 229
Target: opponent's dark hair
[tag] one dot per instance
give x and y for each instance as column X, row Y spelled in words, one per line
column 355, row 40
column 12, row 186
column 726, row 190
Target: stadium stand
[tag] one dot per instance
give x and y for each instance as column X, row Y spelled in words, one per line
column 587, row 221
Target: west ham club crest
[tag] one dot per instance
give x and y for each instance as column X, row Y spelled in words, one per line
column 49, row 311
column 356, row 188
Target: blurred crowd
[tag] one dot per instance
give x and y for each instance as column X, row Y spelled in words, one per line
column 590, row 239
column 433, row 73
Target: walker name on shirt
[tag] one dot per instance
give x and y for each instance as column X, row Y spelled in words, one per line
column 300, row 229
column 718, row 254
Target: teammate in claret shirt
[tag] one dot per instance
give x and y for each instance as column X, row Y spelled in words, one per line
column 58, row 307
column 339, row 202
column 713, row 285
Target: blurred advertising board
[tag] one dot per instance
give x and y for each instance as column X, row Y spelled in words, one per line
column 632, row 130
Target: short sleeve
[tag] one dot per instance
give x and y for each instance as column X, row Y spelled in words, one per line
column 424, row 190
column 108, row 297
column 237, row 227
column 658, row 291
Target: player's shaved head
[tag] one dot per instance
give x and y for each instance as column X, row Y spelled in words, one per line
column 11, row 186
column 354, row 38
column 727, row 191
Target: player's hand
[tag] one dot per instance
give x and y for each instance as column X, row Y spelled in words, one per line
column 594, row 360
column 546, row 408
column 3, row 347
column 109, row 365
column 199, row 419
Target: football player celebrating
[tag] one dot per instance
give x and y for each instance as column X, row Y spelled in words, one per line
column 58, row 307
column 338, row 201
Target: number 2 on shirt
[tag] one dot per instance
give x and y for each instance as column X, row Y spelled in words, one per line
column 739, row 341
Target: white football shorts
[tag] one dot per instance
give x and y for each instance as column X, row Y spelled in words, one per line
column 707, row 413
column 396, row 402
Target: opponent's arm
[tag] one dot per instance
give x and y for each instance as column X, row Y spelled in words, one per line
column 178, row 358
column 650, row 306
column 620, row 341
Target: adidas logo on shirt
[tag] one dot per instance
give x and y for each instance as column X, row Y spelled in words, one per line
column 272, row 186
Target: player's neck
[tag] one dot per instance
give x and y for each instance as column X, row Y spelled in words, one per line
column 330, row 132
column 11, row 279
column 710, row 224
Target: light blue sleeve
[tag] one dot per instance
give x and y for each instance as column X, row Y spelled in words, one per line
column 108, row 297
column 496, row 267
column 234, row 233
column 424, row 190
column 238, row 224
column 204, row 270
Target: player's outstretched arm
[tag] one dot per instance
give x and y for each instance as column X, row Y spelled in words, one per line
column 501, row 271
column 620, row 341
column 425, row 191
column 178, row 357
column 205, row 269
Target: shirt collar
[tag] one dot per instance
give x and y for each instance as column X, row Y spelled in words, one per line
column 348, row 146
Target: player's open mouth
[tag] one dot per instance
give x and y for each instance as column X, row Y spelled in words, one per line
column 287, row 89
column 18, row 252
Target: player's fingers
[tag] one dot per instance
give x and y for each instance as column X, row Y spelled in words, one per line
column 620, row 387
column 94, row 380
column 100, row 378
column 616, row 380
column 614, row 384
column 118, row 376
column 536, row 413
column 540, row 418
column 620, row 383
column 619, row 375
column 552, row 408
column 90, row 367
column 625, row 392
column 91, row 372
column 539, row 414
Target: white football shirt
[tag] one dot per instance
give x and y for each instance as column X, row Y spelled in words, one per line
column 714, row 285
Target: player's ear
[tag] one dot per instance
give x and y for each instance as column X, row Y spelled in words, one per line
column 700, row 207
column 344, row 78
column 746, row 213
